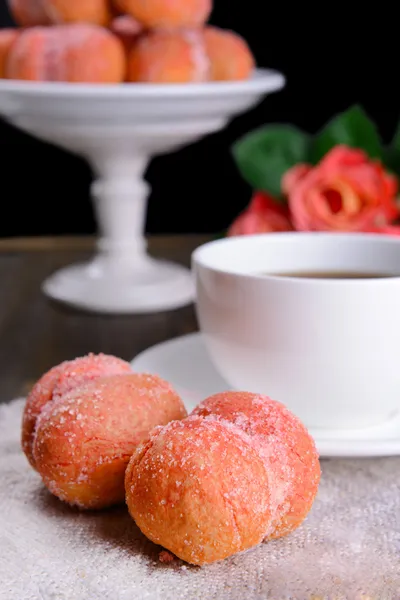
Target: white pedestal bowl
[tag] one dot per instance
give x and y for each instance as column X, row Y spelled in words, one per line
column 118, row 129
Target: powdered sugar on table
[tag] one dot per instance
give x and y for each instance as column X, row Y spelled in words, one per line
column 349, row 547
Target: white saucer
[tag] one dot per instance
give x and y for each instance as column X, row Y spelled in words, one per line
column 184, row 362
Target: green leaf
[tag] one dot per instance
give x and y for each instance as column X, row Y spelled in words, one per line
column 396, row 139
column 391, row 159
column 352, row 128
column 264, row 155
column 391, row 154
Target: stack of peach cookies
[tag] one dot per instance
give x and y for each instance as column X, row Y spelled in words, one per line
column 239, row 470
column 115, row 41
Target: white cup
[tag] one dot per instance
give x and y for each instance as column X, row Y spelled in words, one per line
column 327, row 348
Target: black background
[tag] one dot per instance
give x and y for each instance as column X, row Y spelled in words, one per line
column 332, row 58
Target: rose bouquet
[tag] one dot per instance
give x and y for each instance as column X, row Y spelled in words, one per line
column 342, row 179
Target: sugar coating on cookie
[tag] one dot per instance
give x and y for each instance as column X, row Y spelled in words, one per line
column 171, row 14
column 169, row 57
column 60, row 380
column 284, row 444
column 83, row 441
column 229, row 55
column 29, row 13
column 79, row 53
column 199, row 489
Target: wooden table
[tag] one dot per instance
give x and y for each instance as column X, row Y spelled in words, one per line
column 36, row 334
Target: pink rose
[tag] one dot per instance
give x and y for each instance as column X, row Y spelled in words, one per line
column 263, row 215
column 346, row 191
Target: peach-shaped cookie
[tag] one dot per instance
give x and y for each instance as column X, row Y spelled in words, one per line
column 229, row 55
column 84, row 11
column 7, row 39
column 79, row 53
column 284, row 444
column 29, row 13
column 84, row 440
column 199, row 489
column 168, row 14
column 60, row 380
column 169, row 57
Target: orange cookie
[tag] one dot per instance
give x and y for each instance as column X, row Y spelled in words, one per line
column 84, row 11
column 7, row 39
column 60, row 380
column 229, row 55
column 199, row 489
column 171, row 14
column 284, row 444
column 29, row 13
column 169, row 57
column 79, row 53
column 84, row 440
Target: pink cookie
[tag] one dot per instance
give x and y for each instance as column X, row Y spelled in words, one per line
column 199, row 489
column 83, row 441
column 60, row 380
column 229, row 55
column 83, row 11
column 29, row 13
column 169, row 57
column 7, row 39
column 79, row 53
column 167, row 14
column 284, row 444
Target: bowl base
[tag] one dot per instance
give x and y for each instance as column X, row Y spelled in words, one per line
column 150, row 286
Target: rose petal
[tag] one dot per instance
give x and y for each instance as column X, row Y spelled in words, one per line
column 342, row 156
column 263, row 215
column 292, row 177
column 263, row 203
column 389, row 230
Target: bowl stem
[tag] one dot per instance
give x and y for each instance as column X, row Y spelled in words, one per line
column 122, row 277
column 120, row 200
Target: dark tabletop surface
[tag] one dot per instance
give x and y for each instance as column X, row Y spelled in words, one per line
column 36, row 334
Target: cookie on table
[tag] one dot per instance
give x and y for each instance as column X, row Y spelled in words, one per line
column 60, row 380
column 84, row 441
column 79, row 53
